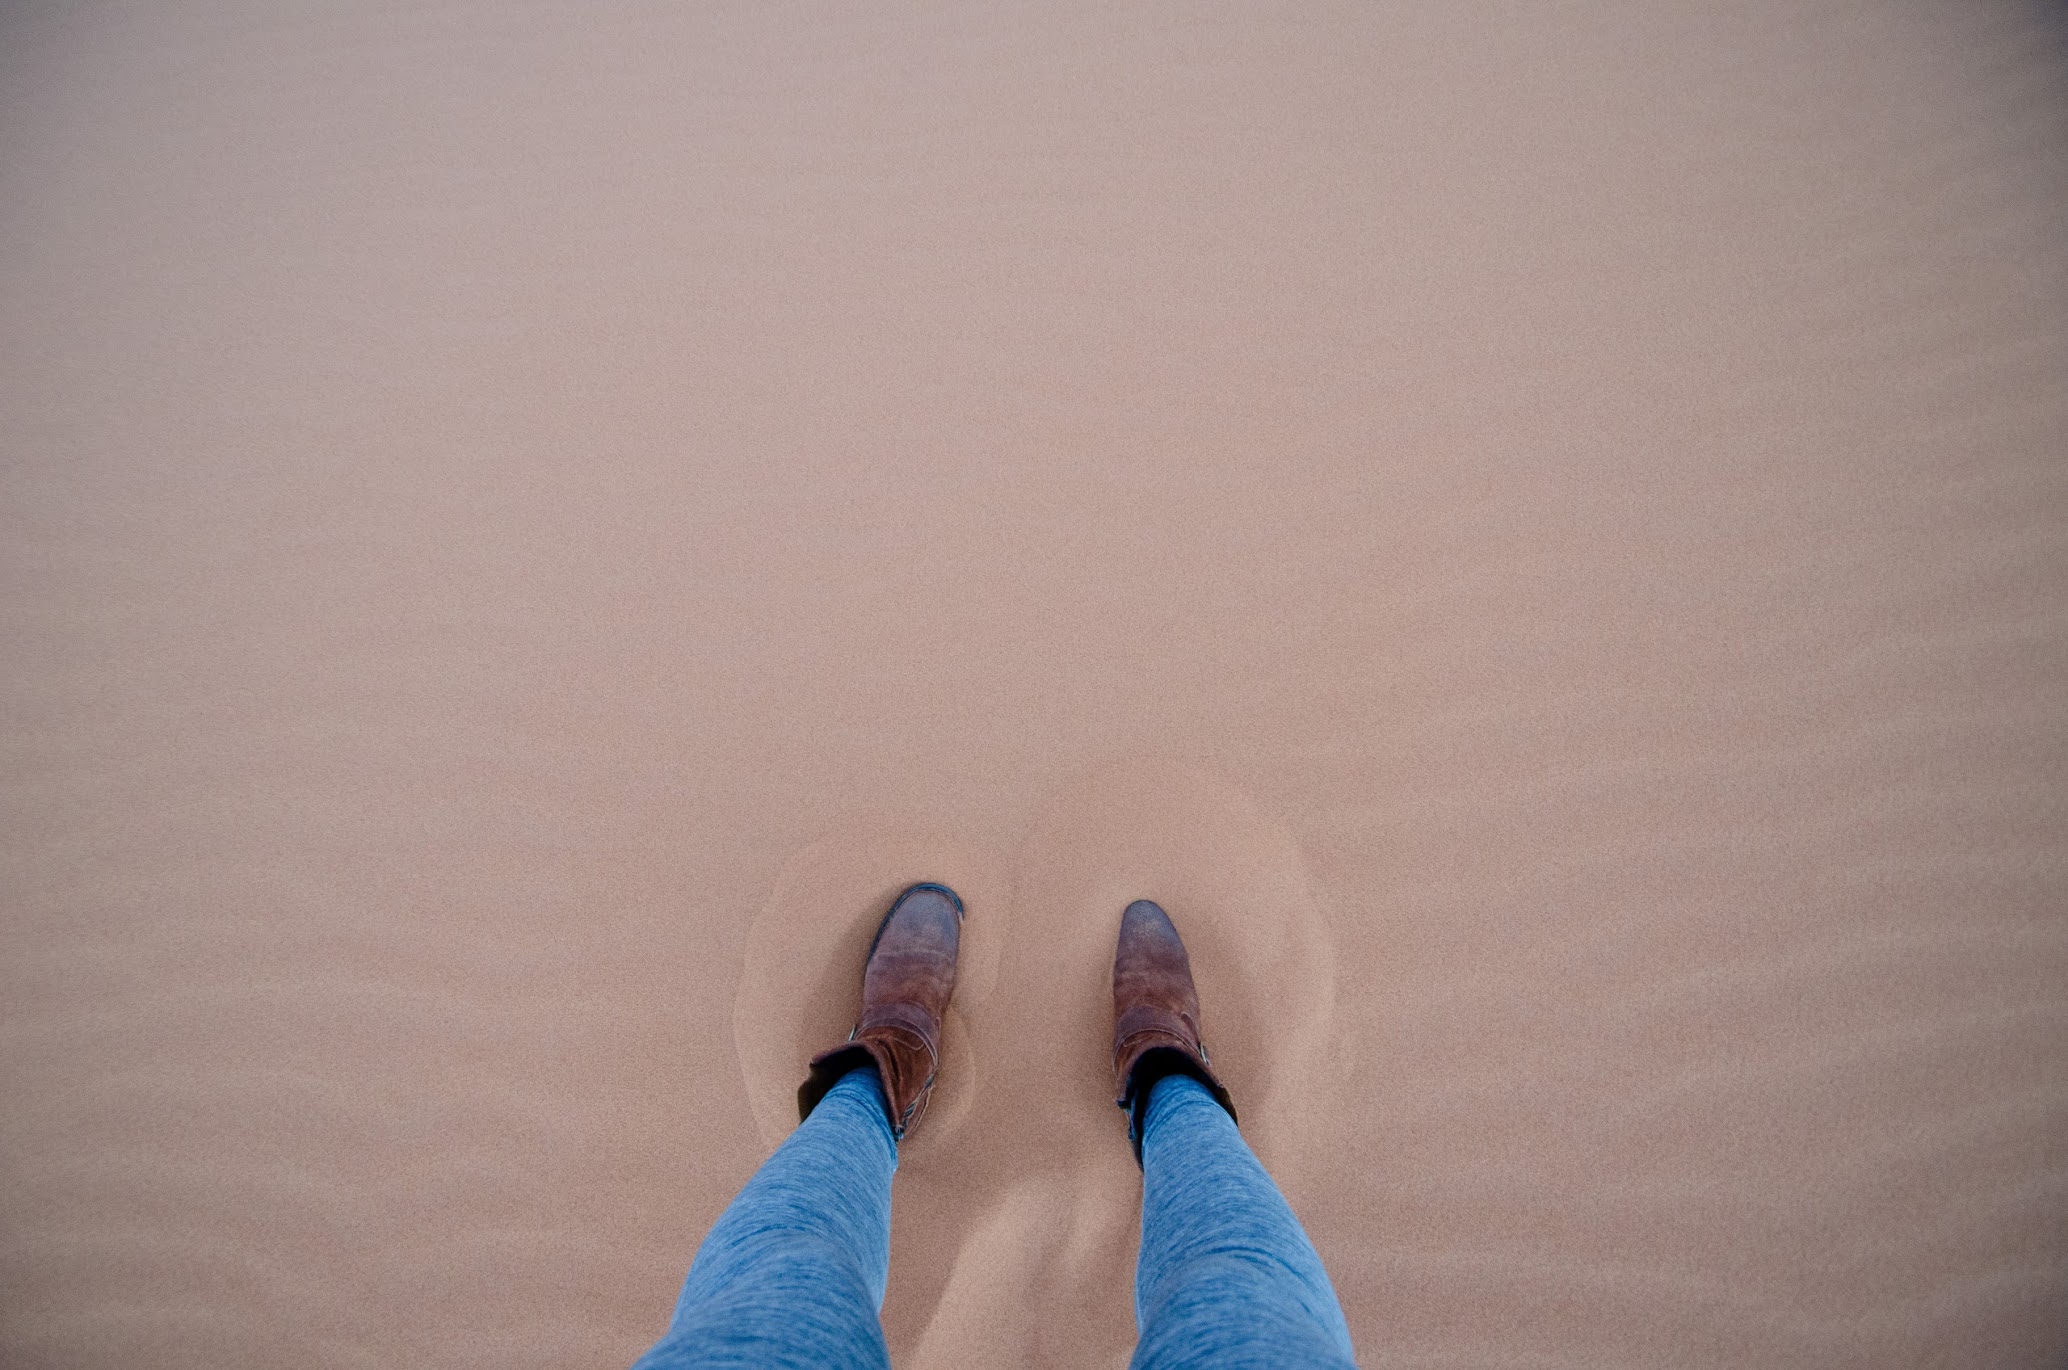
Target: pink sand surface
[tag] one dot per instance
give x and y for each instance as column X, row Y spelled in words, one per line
column 1537, row 531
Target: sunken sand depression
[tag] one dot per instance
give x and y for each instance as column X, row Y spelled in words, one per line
column 1537, row 535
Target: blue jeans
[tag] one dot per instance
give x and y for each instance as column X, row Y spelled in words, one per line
column 793, row 1272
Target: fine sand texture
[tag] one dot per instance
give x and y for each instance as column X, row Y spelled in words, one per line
column 1539, row 533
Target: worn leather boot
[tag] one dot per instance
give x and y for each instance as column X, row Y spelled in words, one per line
column 906, row 981
column 1155, row 1015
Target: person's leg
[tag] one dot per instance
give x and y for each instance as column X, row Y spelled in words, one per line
column 1226, row 1277
column 793, row 1272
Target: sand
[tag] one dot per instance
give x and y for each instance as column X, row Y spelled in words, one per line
column 1538, row 533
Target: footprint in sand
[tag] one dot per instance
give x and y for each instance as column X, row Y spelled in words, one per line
column 1028, row 1248
column 800, row 980
column 1234, row 882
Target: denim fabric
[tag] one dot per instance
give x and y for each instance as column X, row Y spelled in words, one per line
column 1226, row 1276
column 792, row 1274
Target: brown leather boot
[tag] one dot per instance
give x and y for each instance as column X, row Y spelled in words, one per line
column 906, row 981
column 1155, row 1015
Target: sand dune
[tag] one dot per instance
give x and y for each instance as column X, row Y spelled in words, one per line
column 1537, row 534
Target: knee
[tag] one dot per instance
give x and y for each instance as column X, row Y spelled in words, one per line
column 766, row 1283
column 805, row 1306
column 1240, row 1308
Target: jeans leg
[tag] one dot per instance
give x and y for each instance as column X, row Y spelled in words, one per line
column 1226, row 1276
column 792, row 1273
